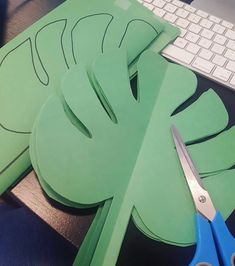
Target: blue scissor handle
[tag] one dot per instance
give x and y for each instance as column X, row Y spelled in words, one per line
column 206, row 251
column 224, row 240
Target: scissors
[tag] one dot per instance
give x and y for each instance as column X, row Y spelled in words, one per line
column 213, row 236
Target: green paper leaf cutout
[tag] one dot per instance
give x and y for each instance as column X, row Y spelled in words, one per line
column 88, row 246
column 31, row 65
column 46, row 52
column 81, row 38
column 52, row 194
column 12, row 88
column 86, row 251
column 219, row 152
column 96, row 142
column 221, row 188
column 198, row 129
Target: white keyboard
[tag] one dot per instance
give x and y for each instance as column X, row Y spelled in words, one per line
column 206, row 43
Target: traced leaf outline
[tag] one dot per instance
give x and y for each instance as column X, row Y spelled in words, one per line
column 81, row 19
column 14, row 131
column 62, row 47
column 65, row 59
column 128, row 25
column 11, row 162
column 28, row 40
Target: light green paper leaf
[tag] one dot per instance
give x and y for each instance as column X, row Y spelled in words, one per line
column 31, row 65
column 198, row 128
column 52, row 194
column 218, row 153
column 221, row 189
column 130, row 157
column 89, row 244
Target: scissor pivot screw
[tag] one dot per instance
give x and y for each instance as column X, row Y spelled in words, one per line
column 202, row 199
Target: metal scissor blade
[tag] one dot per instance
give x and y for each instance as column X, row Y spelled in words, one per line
column 184, row 156
column 200, row 196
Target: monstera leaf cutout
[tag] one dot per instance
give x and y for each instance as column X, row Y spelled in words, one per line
column 31, row 66
column 92, row 144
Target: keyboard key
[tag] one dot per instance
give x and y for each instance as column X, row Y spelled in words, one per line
column 227, row 24
column 218, row 29
column 220, row 39
column 205, row 43
column 192, row 37
column 178, row 54
column 230, row 34
column 207, row 33
column 193, row 48
column 231, row 45
column 203, row 65
column 159, row 3
column 194, row 28
column 182, row 32
column 231, row 66
column 206, row 23
column 217, row 48
column 202, row 13
column 180, row 42
column 206, row 54
column 219, row 60
column 214, row 19
column 230, row 54
column 189, row 8
column 183, row 23
column 222, row 73
column 170, row 17
column 232, row 81
column 194, row 18
column 159, row 12
column 170, row 8
column 182, row 13
column 178, row 3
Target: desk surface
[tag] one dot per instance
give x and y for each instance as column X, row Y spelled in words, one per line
column 73, row 224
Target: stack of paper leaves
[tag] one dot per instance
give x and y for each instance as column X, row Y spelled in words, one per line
column 31, row 66
column 94, row 143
